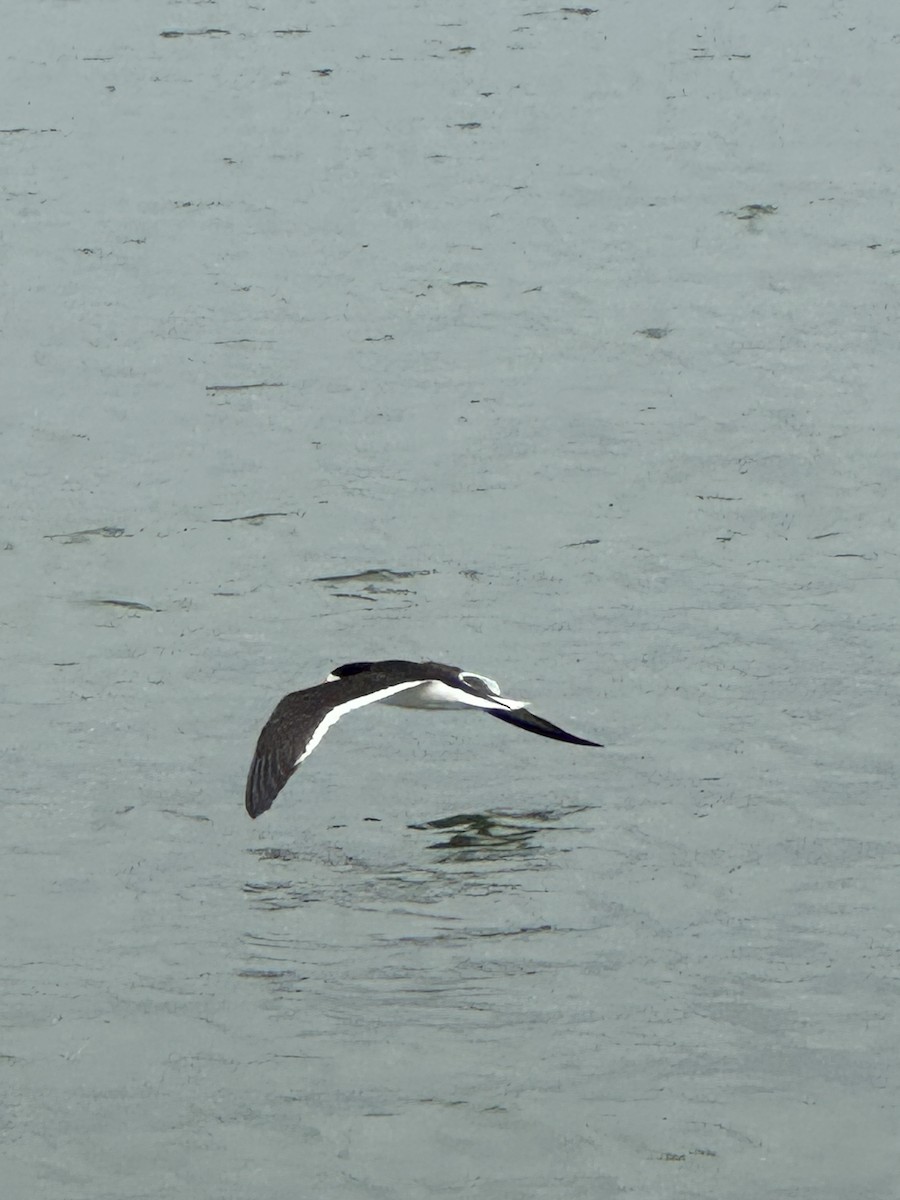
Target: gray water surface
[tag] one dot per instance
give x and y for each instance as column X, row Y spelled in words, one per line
column 560, row 345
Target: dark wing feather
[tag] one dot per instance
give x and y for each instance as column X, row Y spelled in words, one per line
column 348, row 669
column 280, row 745
column 269, row 772
column 297, row 717
column 535, row 724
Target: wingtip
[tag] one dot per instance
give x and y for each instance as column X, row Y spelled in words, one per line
column 256, row 807
column 258, row 795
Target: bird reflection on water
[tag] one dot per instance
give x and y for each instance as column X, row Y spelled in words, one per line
column 485, row 836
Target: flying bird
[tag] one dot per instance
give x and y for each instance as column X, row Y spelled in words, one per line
column 302, row 719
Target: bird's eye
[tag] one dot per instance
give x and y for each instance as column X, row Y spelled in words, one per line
column 473, row 678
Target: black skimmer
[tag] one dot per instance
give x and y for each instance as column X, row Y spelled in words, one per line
column 302, row 719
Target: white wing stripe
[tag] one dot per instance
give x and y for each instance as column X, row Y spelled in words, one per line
column 338, row 711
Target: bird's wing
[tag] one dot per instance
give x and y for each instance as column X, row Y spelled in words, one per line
column 535, row 724
column 296, row 727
